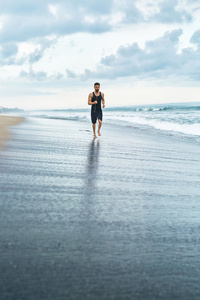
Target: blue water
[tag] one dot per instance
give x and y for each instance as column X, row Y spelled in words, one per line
column 182, row 120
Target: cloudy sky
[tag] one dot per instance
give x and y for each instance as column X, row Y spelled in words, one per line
column 141, row 51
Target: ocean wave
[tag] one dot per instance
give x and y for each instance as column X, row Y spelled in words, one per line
column 157, row 108
column 75, row 117
column 185, row 128
column 188, row 129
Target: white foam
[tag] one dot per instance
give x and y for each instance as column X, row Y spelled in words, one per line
column 189, row 129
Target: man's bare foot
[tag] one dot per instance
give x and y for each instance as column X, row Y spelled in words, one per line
column 99, row 134
column 95, row 137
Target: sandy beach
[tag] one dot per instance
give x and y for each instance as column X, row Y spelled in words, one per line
column 5, row 123
column 111, row 218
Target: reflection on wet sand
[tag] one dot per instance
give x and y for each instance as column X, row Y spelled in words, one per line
column 92, row 168
column 90, row 189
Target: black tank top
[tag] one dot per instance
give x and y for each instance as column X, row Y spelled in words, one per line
column 96, row 107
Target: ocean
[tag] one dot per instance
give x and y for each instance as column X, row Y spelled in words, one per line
column 182, row 120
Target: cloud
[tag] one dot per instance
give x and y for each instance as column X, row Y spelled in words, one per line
column 131, row 14
column 169, row 12
column 70, row 74
column 25, row 20
column 34, row 26
column 9, row 49
column 33, row 75
column 21, row 7
column 42, row 46
column 39, row 75
column 195, row 39
column 42, row 23
column 159, row 59
column 8, row 52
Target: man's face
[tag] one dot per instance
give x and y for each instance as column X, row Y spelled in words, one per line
column 97, row 87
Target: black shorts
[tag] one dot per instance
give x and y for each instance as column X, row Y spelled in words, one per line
column 96, row 115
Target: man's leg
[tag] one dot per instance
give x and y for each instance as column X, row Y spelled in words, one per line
column 94, row 130
column 99, row 127
column 94, row 119
column 100, row 116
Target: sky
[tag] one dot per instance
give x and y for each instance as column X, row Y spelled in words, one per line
column 141, row 51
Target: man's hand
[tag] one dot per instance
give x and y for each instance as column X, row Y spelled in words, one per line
column 95, row 102
column 103, row 105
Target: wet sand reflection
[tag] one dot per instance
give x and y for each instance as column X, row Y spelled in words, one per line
column 92, row 169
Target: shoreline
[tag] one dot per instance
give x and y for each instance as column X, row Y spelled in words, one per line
column 5, row 123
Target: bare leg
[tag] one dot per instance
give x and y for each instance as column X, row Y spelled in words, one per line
column 94, row 130
column 99, row 127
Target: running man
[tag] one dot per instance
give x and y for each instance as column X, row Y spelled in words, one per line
column 95, row 99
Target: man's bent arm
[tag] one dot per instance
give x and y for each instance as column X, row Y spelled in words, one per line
column 103, row 100
column 90, row 100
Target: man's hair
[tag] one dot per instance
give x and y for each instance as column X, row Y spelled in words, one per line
column 97, row 83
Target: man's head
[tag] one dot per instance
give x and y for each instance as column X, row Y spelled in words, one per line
column 97, row 86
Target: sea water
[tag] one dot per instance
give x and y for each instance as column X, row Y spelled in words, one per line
column 181, row 119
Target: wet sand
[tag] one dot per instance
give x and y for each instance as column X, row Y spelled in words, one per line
column 115, row 218
column 5, row 123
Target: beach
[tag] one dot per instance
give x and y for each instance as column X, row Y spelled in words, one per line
column 5, row 122
column 112, row 218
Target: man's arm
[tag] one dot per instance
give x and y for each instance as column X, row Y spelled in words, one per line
column 103, row 100
column 90, row 100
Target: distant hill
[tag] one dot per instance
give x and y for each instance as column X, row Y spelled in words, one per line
column 6, row 109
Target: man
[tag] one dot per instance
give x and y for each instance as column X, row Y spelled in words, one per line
column 95, row 99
